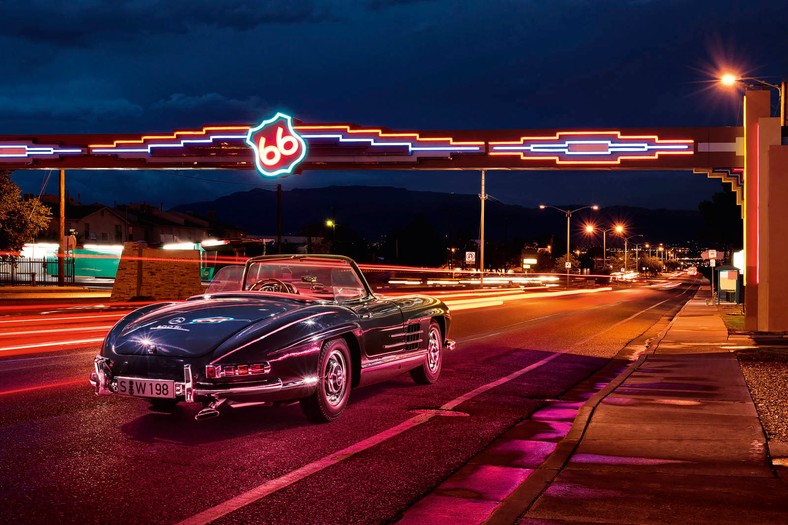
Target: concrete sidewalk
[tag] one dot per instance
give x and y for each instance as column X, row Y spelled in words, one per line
column 673, row 438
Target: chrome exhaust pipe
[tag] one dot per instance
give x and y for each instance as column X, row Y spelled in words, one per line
column 210, row 410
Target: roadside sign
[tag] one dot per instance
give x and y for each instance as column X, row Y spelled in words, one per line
column 712, row 254
column 470, row 257
column 712, row 262
column 567, row 265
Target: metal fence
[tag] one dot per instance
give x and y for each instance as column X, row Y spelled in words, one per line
column 35, row 272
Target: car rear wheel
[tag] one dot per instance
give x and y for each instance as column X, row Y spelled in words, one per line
column 333, row 386
column 430, row 370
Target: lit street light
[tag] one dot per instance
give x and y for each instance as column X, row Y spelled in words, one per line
column 730, row 79
column 590, row 228
column 568, row 216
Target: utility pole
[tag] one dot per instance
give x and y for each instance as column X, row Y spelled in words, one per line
column 279, row 218
column 61, row 249
column 483, row 197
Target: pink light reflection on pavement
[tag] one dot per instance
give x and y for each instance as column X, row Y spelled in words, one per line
column 555, row 414
column 488, row 482
column 523, row 453
column 573, row 490
column 544, row 430
column 621, row 460
column 447, row 510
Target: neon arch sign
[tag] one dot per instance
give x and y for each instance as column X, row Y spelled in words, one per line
column 278, row 148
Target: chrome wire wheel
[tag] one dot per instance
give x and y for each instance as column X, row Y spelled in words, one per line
column 434, row 349
column 335, row 378
column 430, row 369
column 332, row 391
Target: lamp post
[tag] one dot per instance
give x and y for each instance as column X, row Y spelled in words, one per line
column 590, row 228
column 568, row 214
column 730, row 79
column 331, row 223
column 626, row 239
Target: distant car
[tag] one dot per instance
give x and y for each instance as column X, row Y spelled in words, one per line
column 280, row 329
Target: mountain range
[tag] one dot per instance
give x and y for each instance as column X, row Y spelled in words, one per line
column 374, row 211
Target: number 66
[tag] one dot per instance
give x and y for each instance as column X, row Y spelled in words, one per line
column 285, row 145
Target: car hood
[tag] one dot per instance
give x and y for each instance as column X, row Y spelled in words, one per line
column 195, row 328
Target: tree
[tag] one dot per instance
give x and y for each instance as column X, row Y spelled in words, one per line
column 560, row 263
column 20, row 220
column 723, row 221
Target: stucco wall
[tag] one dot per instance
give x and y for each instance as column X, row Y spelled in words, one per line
column 158, row 274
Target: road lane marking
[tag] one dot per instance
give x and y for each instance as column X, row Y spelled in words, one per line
column 271, row 486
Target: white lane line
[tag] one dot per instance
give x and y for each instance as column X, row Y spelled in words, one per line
column 45, row 345
column 281, row 482
column 58, row 330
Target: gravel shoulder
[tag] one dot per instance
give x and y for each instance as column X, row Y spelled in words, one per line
column 765, row 369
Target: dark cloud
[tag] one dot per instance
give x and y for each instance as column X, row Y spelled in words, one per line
column 83, row 23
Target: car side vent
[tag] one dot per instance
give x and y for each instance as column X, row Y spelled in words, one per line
column 414, row 336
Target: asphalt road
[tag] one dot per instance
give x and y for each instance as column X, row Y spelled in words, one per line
column 67, row 456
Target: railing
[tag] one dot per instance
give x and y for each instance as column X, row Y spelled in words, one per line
column 15, row 271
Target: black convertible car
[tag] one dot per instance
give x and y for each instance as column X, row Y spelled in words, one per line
column 277, row 330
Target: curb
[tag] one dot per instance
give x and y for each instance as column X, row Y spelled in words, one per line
column 523, row 497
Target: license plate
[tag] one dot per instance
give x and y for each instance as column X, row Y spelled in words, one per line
column 159, row 388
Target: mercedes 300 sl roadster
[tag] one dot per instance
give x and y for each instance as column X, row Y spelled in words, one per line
column 280, row 329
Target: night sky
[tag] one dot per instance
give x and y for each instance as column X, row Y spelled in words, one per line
column 149, row 66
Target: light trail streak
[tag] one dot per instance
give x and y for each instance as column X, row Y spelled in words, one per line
column 105, row 327
column 482, row 302
column 40, row 319
column 32, row 348
column 41, row 387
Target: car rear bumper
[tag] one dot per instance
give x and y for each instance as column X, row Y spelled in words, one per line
column 187, row 390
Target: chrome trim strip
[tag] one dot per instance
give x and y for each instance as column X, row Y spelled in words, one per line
column 277, row 386
column 102, row 376
column 221, row 392
column 403, row 343
column 188, row 384
column 394, row 359
column 415, row 359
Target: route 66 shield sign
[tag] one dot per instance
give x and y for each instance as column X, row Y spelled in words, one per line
column 277, row 147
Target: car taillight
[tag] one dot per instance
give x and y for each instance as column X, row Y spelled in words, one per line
column 219, row 371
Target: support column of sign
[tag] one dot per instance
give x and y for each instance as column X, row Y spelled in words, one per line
column 61, row 249
column 756, row 106
column 772, row 301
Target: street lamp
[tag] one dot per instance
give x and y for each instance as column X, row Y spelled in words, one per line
column 590, row 228
column 730, row 79
column 568, row 216
column 331, row 223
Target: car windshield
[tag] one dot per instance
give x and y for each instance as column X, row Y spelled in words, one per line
column 323, row 278
column 227, row 279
